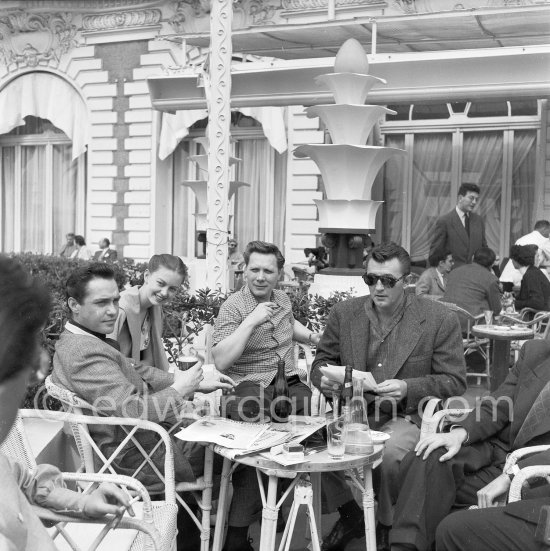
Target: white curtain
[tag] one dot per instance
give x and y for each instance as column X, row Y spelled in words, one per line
column 482, row 165
column 260, row 208
column 49, row 97
column 32, row 198
column 392, row 194
column 65, row 182
column 523, row 185
column 8, row 199
column 431, row 189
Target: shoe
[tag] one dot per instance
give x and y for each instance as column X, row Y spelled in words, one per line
column 382, row 537
column 237, row 543
column 342, row 533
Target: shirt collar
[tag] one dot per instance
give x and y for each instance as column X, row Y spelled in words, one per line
column 461, row 213
column 522, row 270
column 78, row 329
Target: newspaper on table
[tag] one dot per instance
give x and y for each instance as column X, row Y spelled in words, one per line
column 224, row 432
column 238, row 438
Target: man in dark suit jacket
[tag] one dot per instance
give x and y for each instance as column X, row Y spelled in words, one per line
column 461, row 231
column 535, row 287
column 474, row 287
column 463, row 467
column 411, row 346
column 105, row 253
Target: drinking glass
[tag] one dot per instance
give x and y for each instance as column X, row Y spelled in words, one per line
column 336, row 432
column 488, row 316
column 188, row 358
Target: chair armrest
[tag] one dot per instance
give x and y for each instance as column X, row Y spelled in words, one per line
column 108, row 521
column 440, row 418
column 516, row 455
column 134, row 424
column 535, row 471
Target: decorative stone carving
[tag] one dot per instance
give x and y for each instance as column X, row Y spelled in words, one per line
column 120, row 20
column 407, row 6
column 300, row 5
column 87, row 6
column 185, row 9
column 31, row 39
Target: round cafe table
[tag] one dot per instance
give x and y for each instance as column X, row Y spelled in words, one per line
column 306, row 484
column 501, row 336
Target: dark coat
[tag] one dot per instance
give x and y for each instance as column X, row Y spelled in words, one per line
column 430, row 357
column 450, row 235
column 535, row 290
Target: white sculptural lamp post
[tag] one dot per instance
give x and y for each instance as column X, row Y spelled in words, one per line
column 348, row 166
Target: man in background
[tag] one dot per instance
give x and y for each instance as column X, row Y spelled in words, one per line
column 105, row 253
column 535, row 287
column 69, row 247
column 461, row 231
column 433, row 281
column 539, row 237
column 474, row 287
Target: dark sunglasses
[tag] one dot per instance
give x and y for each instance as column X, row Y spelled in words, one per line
column 386, row 280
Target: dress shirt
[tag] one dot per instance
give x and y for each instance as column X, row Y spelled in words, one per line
column 382, row 340
column 268, row 343
column 462, row 216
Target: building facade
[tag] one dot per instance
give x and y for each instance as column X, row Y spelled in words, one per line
column 84, row 150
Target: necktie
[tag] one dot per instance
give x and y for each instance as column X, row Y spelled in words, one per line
column 467, row 223
column 538, row 413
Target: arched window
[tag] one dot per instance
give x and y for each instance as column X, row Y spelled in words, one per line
column 42, row 188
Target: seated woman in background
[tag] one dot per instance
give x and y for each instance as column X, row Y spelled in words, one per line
column 82, row 252
column 24, row 310
column 138, row 328
column 535, row 287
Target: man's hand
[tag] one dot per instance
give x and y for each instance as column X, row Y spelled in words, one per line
column 262, row 313
column 452, row 441
column 329, row 386
column 487, row 496
column 108, row 498
column 392, row 388
column 226, row 383
column 186, row 382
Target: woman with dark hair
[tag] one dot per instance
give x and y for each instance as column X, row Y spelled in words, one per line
column 24, row 310
column 138, row 328
column 82, row 252
column 535, row 287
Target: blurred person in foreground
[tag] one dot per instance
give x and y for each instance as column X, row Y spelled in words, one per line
column 24, row 310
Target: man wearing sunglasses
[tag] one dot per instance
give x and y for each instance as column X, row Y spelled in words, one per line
column 412, row 347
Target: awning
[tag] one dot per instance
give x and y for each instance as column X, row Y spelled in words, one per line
column 47, row 96
column 176, row 126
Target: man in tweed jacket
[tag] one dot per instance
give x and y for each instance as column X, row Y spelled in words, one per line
column 90, row 365
column 411, row 346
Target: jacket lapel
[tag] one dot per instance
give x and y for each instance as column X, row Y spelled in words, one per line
column 359, row 327
column 409, row 331
column 528, row 392
column 459, row 228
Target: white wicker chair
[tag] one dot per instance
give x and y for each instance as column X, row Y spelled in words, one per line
column 89, row 453
column 470, row 342
column 155, row 530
